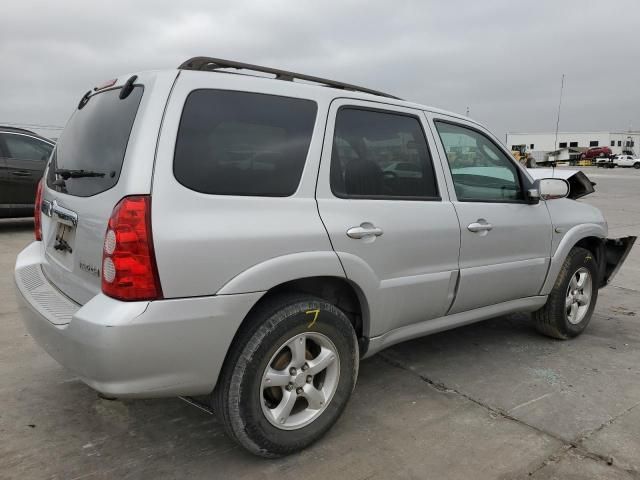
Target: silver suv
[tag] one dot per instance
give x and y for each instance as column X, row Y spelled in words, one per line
column 213, row 230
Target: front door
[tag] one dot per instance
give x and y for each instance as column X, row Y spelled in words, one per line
column 383, row 202
column 505, row 240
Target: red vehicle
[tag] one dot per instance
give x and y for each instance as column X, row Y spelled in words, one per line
column 595, row 152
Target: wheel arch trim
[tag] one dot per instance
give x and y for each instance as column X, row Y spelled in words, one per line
column 570, row 239
column 267, row 276
column 275, row 271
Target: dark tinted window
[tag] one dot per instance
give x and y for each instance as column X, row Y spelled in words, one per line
column 26, row 148
column 593, row 143
column 95, row 140
column 481, row 171
column 380, row 155
column 562, row 145
column 573, row 144
column 238, row 143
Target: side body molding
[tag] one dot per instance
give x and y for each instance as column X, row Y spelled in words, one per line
column 573, row 236
column 274, row 271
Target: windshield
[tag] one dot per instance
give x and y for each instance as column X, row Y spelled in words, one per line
column 93, row 144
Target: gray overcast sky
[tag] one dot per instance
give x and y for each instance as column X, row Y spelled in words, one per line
column 503, row 59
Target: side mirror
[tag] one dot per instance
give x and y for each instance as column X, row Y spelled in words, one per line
column 550, row 188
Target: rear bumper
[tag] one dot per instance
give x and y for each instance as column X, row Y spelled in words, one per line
column 130, row 349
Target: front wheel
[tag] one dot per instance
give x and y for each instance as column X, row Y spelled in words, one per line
column 571, row 302
column 289, row 376
column 636, row 165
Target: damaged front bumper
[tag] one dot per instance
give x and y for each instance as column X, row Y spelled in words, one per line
column 615, row 252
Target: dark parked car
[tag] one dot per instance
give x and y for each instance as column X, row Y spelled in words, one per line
column 23, row 157
column 596, row 152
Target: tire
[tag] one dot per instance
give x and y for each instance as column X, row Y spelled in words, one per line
column 251, row 411
column 555, row 319
column 636, row 165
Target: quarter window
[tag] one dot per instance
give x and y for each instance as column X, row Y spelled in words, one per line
column 240, row 143
column 380, row 155
column 481, row 171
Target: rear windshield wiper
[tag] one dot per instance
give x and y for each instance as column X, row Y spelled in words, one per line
column 66, row 173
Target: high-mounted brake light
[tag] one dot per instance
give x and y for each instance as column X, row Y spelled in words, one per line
column 105, row 84
column 129, row 270
column 37, row 212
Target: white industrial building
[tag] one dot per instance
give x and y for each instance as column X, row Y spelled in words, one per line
column 540, row 145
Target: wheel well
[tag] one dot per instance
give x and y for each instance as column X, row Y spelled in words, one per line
column 338, row 291
column 596, row 246
column 593, row 244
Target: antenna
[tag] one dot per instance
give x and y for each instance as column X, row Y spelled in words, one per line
column 555, row 146
column 467, row 114
column 559, row 106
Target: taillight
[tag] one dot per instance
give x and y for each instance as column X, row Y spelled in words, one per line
column 129, row 270
column 37, row 212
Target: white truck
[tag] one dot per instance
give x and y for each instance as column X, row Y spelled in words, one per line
column 626, row 161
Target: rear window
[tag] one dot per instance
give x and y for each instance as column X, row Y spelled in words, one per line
column 95, row 140
column 240, row 143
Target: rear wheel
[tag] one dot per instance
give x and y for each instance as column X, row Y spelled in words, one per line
column 571, row 302
column 636, row 165
column 289, row 377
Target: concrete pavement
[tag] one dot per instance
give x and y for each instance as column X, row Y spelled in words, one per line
column 491, row 400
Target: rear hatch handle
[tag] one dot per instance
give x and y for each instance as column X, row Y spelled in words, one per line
column 64, row 215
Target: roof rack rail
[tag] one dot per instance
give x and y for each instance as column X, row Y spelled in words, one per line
column 212, row 64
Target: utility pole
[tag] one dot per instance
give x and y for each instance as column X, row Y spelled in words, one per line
column 559, row 106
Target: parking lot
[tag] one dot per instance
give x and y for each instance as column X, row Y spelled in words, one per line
column 491, row 400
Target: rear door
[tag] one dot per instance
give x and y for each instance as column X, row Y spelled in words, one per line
column 505, row 241
column 396, row 235
column 25, row 162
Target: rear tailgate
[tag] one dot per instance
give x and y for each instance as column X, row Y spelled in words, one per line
column 105, row 153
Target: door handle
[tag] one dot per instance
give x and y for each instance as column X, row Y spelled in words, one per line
column 365, row 229
column 480, row 226
column 21, row 174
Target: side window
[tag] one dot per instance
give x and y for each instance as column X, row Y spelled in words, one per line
column 481, row 171
column 240, row 143
column 26, row 148
column 380, row 155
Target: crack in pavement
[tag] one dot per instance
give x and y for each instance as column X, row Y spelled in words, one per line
column 566, row 446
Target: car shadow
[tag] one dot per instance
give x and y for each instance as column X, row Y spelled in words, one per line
column 16, row 225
